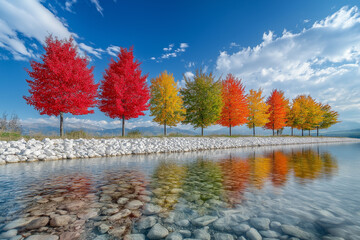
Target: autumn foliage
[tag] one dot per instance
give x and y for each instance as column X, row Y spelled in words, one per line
column 258, row 110
column 124, row 92
column 235, row 105
column 62, row 82
column 277, row 110
column 166, row 105
column 202, row 100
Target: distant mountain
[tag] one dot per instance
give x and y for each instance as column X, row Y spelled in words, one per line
column 145, row 131
column 345, row 129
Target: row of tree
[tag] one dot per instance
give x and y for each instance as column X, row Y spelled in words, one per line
column 62, row 83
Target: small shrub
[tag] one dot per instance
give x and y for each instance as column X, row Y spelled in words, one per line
column 77, row 134
column 134, row 133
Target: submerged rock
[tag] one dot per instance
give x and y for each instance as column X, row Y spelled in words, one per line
column 204, row 220
column 157, row 232
column 297, row 232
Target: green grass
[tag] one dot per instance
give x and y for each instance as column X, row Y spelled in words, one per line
column 13, row 136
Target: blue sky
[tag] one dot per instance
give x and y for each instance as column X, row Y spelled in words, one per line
column 302, row 47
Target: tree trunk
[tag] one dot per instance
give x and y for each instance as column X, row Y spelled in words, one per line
column 254, row 129
column 273, row 129
column 302, row 132
column 165, row 128
column 292, row 131
column 309, row 132
column 202, row 131
column 61, row 124
column 277, row 132
column 317, row 131
column 230, row 130
column 123, row 126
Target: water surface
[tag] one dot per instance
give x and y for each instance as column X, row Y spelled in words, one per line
column 303, row 191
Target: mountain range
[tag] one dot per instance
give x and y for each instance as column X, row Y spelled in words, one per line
column 344, row 129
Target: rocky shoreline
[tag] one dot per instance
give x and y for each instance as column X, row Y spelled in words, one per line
column 57, row 149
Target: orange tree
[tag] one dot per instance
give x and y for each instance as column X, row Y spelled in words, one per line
column 277, row 110
column 235, row 105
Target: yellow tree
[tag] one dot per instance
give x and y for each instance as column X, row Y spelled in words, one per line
column 306, row 113
column 166, row 105
column 258, row 109
column 315, row 114
column 330, row 118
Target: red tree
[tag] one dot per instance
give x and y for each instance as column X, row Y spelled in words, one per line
column 235, row 109
column 62, row 83
column 123, row 91
column 277, row 110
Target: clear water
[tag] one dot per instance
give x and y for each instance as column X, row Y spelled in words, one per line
column 314, row 188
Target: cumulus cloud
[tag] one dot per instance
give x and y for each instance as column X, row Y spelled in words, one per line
column 170, row 52
column 25, row 24
column 322, row 60
column 113, row 50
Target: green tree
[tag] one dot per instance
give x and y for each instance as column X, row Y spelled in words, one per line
column 202, row 100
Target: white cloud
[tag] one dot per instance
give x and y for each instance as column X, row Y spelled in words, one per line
column 184, row 45
column 98, row 7
column 189, row 75
column 169, row 48
column 113, row 50
column 70, row 3
column 172, row 53
column 306, row 20
column 313, row 61
column 22, row 22
column 94, row 51
column 233, row 44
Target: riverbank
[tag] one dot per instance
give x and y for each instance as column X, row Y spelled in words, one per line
column 56, row 149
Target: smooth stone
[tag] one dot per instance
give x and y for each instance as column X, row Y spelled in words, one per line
column 260, row 223
column 42, row 237
column 185, row 233
column 9, row 234
column 117, row 232
column 332, row 238
column 151, row 209
column 253, row 234
column 69, row 235
column 103, row 228
column 240, row 228
column 269, row 234
column 223, row 224
column 223, row 236
column 183, row 223
column 275, row 225
column 123, row 213
column 146, row 222
column 122, row 200
column 57, row 199
column 101, row 237
column 204, row 220
column 296, row 232
column 89, row 214
column 17, row 237
column 144, row 198
column 21, row 222
column 75, row 205
column 202, row 234
column 110, row 211
column 330, row 221
column 134, row 204
column 59, row 221
column 157, row 232
column 135, row 237
column 174, row 236
column 37, row 223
